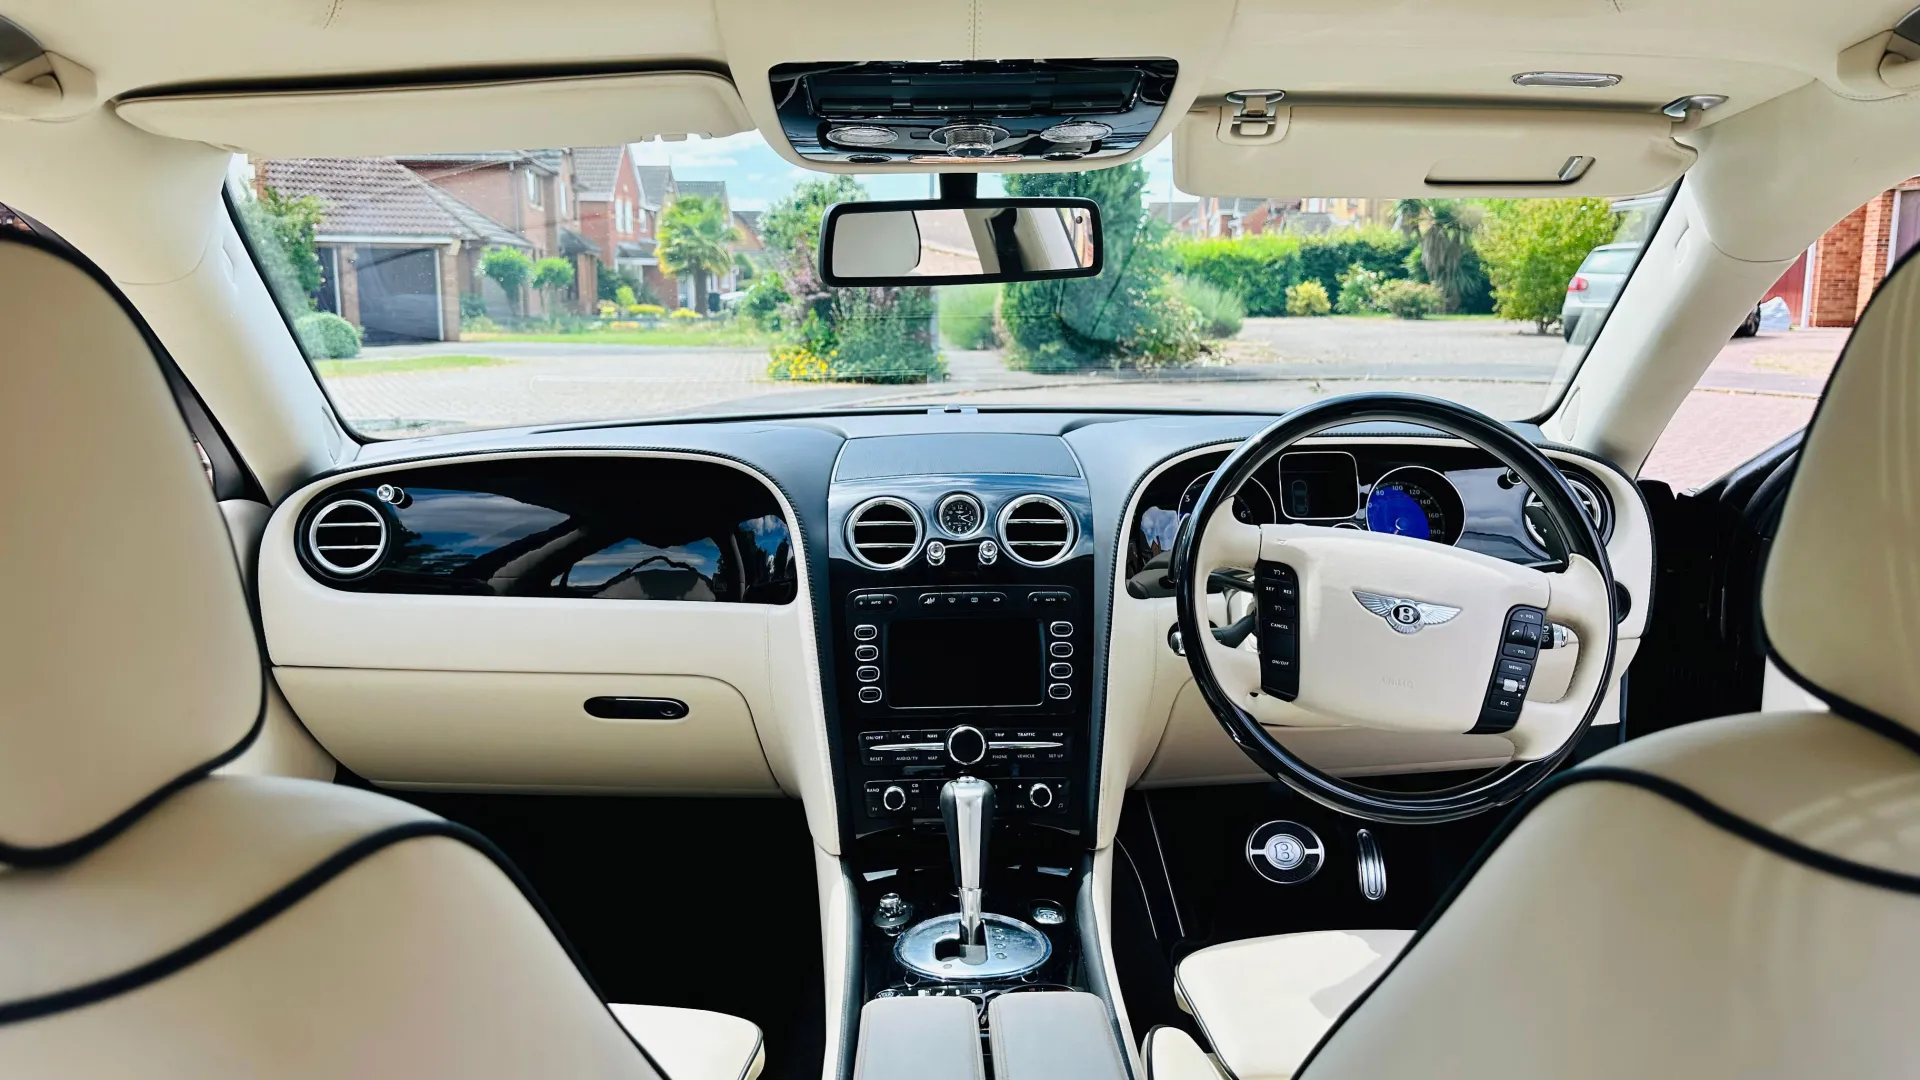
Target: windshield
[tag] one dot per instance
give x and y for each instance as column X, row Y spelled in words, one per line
column 445, row 292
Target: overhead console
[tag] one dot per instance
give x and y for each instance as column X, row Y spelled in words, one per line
column 969, row 111
column 963, row 642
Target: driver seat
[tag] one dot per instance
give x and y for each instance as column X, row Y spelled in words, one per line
column 1737, row 897
column 159, row 919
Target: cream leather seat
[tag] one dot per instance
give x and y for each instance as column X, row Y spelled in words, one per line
column 1733, row 898
column 158, row 921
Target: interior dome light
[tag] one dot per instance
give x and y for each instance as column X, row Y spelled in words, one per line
column 970, row 140
column 1076, row 131
column 1590, row 80
column 863, row 135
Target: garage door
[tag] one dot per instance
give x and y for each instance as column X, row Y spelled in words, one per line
column 399, row 294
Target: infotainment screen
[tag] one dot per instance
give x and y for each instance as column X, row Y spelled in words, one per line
column 963, row 663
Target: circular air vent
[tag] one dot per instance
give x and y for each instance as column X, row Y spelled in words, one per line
column 884, row 533
column 347, row 538
column 1534, row 513
column 1037, row 530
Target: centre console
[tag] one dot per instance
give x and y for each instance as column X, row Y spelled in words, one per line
column 963, row 645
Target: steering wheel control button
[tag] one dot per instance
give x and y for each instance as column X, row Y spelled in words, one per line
column 1285, row 852
column 1060, row 650
column 966, row 745
column 865, row 632
column 869, row 695
column 1512, row 671
column 1277, row 594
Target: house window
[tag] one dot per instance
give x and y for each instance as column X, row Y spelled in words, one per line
column 533, row 188
column 560, row 191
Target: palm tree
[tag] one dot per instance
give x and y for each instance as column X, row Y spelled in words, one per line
column 696, row 238
column 1445, row 229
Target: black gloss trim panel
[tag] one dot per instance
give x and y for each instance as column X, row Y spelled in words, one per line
column 1680, row 795
column 279, row 901
column 626, row 528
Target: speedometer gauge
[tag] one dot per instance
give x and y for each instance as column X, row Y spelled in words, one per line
column 1417, row 502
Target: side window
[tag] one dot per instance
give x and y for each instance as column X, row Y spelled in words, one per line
column 1764, row 384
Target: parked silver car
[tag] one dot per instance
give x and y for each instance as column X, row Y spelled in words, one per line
column 1596, row 285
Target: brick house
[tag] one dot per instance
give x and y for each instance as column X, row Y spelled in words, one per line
column 395, row 251
column 617, row 215
column 656, row 187
column 531, row 193
column 1831, row 282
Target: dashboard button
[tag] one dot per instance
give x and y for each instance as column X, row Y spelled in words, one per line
column 867, row 673
column 869, row 694
column 1060, row 650
column 1060, row 628
column 866, row 653
column 865, row 632
column 966, row 745
column 1059, row 671
column 1059, row 691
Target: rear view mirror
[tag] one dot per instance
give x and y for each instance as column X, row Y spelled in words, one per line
column 939, row 242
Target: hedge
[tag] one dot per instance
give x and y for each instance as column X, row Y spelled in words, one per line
column 326, row 336
column 1261, row 268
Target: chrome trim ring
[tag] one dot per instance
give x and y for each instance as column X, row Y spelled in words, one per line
column 1444, row 484
column 853, row 520
column 319, row 521
column 980, row 515
column 1012, row 550
column 1596, row 506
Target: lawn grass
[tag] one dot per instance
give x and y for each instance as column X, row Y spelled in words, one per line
column 675, row 337
column 334, row 369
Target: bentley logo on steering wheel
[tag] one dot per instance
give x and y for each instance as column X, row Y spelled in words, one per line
column 1406, row 616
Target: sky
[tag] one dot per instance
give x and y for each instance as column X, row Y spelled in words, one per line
column 756, row 176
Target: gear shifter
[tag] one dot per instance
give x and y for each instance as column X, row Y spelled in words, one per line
column 967, row 806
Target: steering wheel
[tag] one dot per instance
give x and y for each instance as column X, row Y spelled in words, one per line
column 1394, row 633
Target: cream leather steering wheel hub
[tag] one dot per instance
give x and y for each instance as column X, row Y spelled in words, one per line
column 1394, row 633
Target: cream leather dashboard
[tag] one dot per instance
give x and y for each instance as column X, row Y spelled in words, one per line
column 482, row 679
column 1160, row 732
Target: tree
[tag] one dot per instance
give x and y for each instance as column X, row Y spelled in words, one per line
column 1444, row 229
column 284, row 227
column 1532, row 248
column 1125, row 315
column 696, row 238
column 552, row 275
column 793, row 221
column 508, row 268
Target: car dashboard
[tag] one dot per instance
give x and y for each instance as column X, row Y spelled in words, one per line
column 844, row 609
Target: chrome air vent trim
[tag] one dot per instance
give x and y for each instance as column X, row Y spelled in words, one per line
column 885, row 533
column 1037, row 530
column 347, row 538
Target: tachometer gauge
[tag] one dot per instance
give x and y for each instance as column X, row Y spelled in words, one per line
column 1417, row 502
column 1252, row 504
column 960, row 515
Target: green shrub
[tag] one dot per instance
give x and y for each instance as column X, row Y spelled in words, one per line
column 479, row 324
column 326, row 336
column 1409, row 299
column 1107, row 321
column 865, row 335
column 1257, row 269
column 646, row 311
column 1531, row 248
column 472, row 304
column 765, row 297
column 1307, row 298
column 1221, row 311
column 1176, row 336
column 1359, row 291
column 966, row 315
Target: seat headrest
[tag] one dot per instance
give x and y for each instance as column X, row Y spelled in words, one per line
column 129, row 664
column 1841, row 597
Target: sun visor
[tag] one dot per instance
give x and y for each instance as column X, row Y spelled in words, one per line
column 587, row 110
column 1401, row 151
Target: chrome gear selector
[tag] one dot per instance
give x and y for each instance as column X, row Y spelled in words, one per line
column 971, row 945
column 967, row 806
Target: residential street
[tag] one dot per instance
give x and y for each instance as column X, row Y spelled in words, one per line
column 1757, row 391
